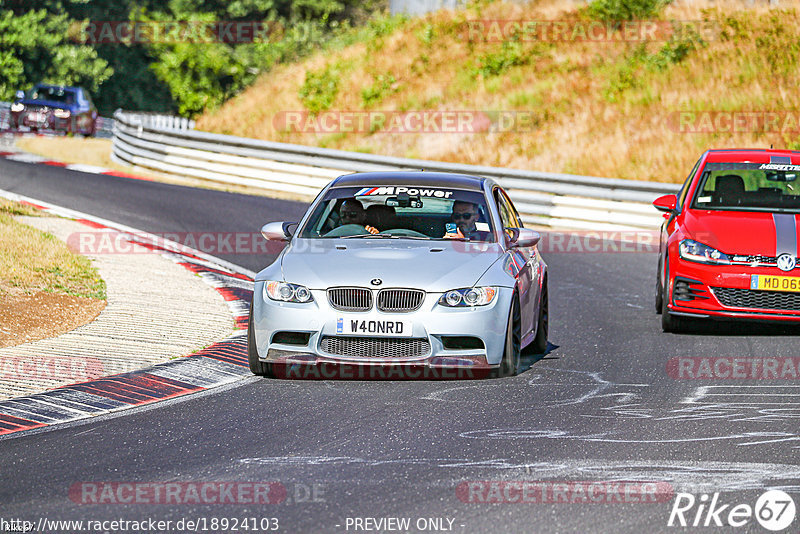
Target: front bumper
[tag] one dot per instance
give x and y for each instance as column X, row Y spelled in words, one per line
column 41, row 121
column 723, row 292
column 434, row 328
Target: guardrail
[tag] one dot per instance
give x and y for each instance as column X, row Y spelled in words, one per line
column 104, row 127
column 4, row 115
column 171, row 145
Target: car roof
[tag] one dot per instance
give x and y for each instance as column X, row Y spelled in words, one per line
column 754, row 155
column 412, row 178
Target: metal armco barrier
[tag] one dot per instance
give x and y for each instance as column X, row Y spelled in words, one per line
column 5, row 114
column 171, row 145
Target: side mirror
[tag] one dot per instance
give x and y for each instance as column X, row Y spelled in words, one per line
column 667, row 203
column 20, row 95
column 278, row 231
column 525, row 238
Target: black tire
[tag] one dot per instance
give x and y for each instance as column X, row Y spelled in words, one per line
column 257, row 367
column 509, row 365
column 659, row 290
column 539, row 344
column 670, row 323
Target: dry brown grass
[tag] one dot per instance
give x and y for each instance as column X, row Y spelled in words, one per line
column 71, row 150
column 752, row 65
column 32, row 261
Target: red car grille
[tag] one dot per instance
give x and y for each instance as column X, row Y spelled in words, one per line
column 765, row 300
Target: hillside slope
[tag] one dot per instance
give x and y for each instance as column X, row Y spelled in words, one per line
column 605, row 107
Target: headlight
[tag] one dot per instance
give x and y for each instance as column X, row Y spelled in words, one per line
column 467, row 297
column 61, row 113
column 694, row 251
column 286, row 292
column 17, row 107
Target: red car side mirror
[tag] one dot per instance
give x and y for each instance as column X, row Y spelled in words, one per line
column 667, row 203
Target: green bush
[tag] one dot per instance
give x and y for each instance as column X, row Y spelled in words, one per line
column 510, row 55
column 383, row 86
column 611, row 10
column 319, row 89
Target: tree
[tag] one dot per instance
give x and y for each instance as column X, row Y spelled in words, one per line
column 35, row 47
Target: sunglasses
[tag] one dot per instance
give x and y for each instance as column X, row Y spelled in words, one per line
column 349, row 214
column 465, row 216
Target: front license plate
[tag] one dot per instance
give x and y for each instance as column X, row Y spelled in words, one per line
column 775, row 283
column 36, row 117
column 373, row 327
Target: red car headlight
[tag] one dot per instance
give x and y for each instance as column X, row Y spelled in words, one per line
column 695, row 251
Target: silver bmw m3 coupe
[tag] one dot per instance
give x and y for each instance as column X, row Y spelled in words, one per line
column 401, row 275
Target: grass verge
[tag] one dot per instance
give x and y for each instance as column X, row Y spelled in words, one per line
column 32, row 261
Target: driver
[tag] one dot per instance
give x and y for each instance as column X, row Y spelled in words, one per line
column 352, row 212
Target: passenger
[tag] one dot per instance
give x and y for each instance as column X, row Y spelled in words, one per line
column 464, row 215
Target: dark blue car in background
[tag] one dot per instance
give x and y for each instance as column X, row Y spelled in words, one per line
column 54, row 108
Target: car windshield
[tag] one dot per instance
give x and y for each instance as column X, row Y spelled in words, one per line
column 53, row 94
column 749, row 186
column 415, row 212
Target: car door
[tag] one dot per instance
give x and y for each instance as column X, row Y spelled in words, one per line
column 524, row 258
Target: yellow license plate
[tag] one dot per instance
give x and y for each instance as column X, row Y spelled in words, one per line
column 775, row 283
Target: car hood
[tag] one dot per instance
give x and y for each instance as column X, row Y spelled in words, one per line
column 740, row 232
column 432, row 266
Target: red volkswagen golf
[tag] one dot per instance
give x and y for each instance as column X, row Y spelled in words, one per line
column 729, row 243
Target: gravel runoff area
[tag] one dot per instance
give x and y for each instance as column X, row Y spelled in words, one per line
column 157, row 310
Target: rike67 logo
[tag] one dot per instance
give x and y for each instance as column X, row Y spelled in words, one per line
column 774, row 510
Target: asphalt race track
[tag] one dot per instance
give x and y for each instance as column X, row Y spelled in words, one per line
column 600, row 406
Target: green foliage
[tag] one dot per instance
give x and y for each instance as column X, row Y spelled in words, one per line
column 35, row 47
column 39, row 42
column 511, row 54
column 384, row 85
column 320, row 88
column 613, row 10
column 426, row 34
column 780, row 45
column 629, row 75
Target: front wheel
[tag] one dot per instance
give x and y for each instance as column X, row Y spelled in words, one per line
column 669, row 322
column 509, row 365
column 257, row 367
